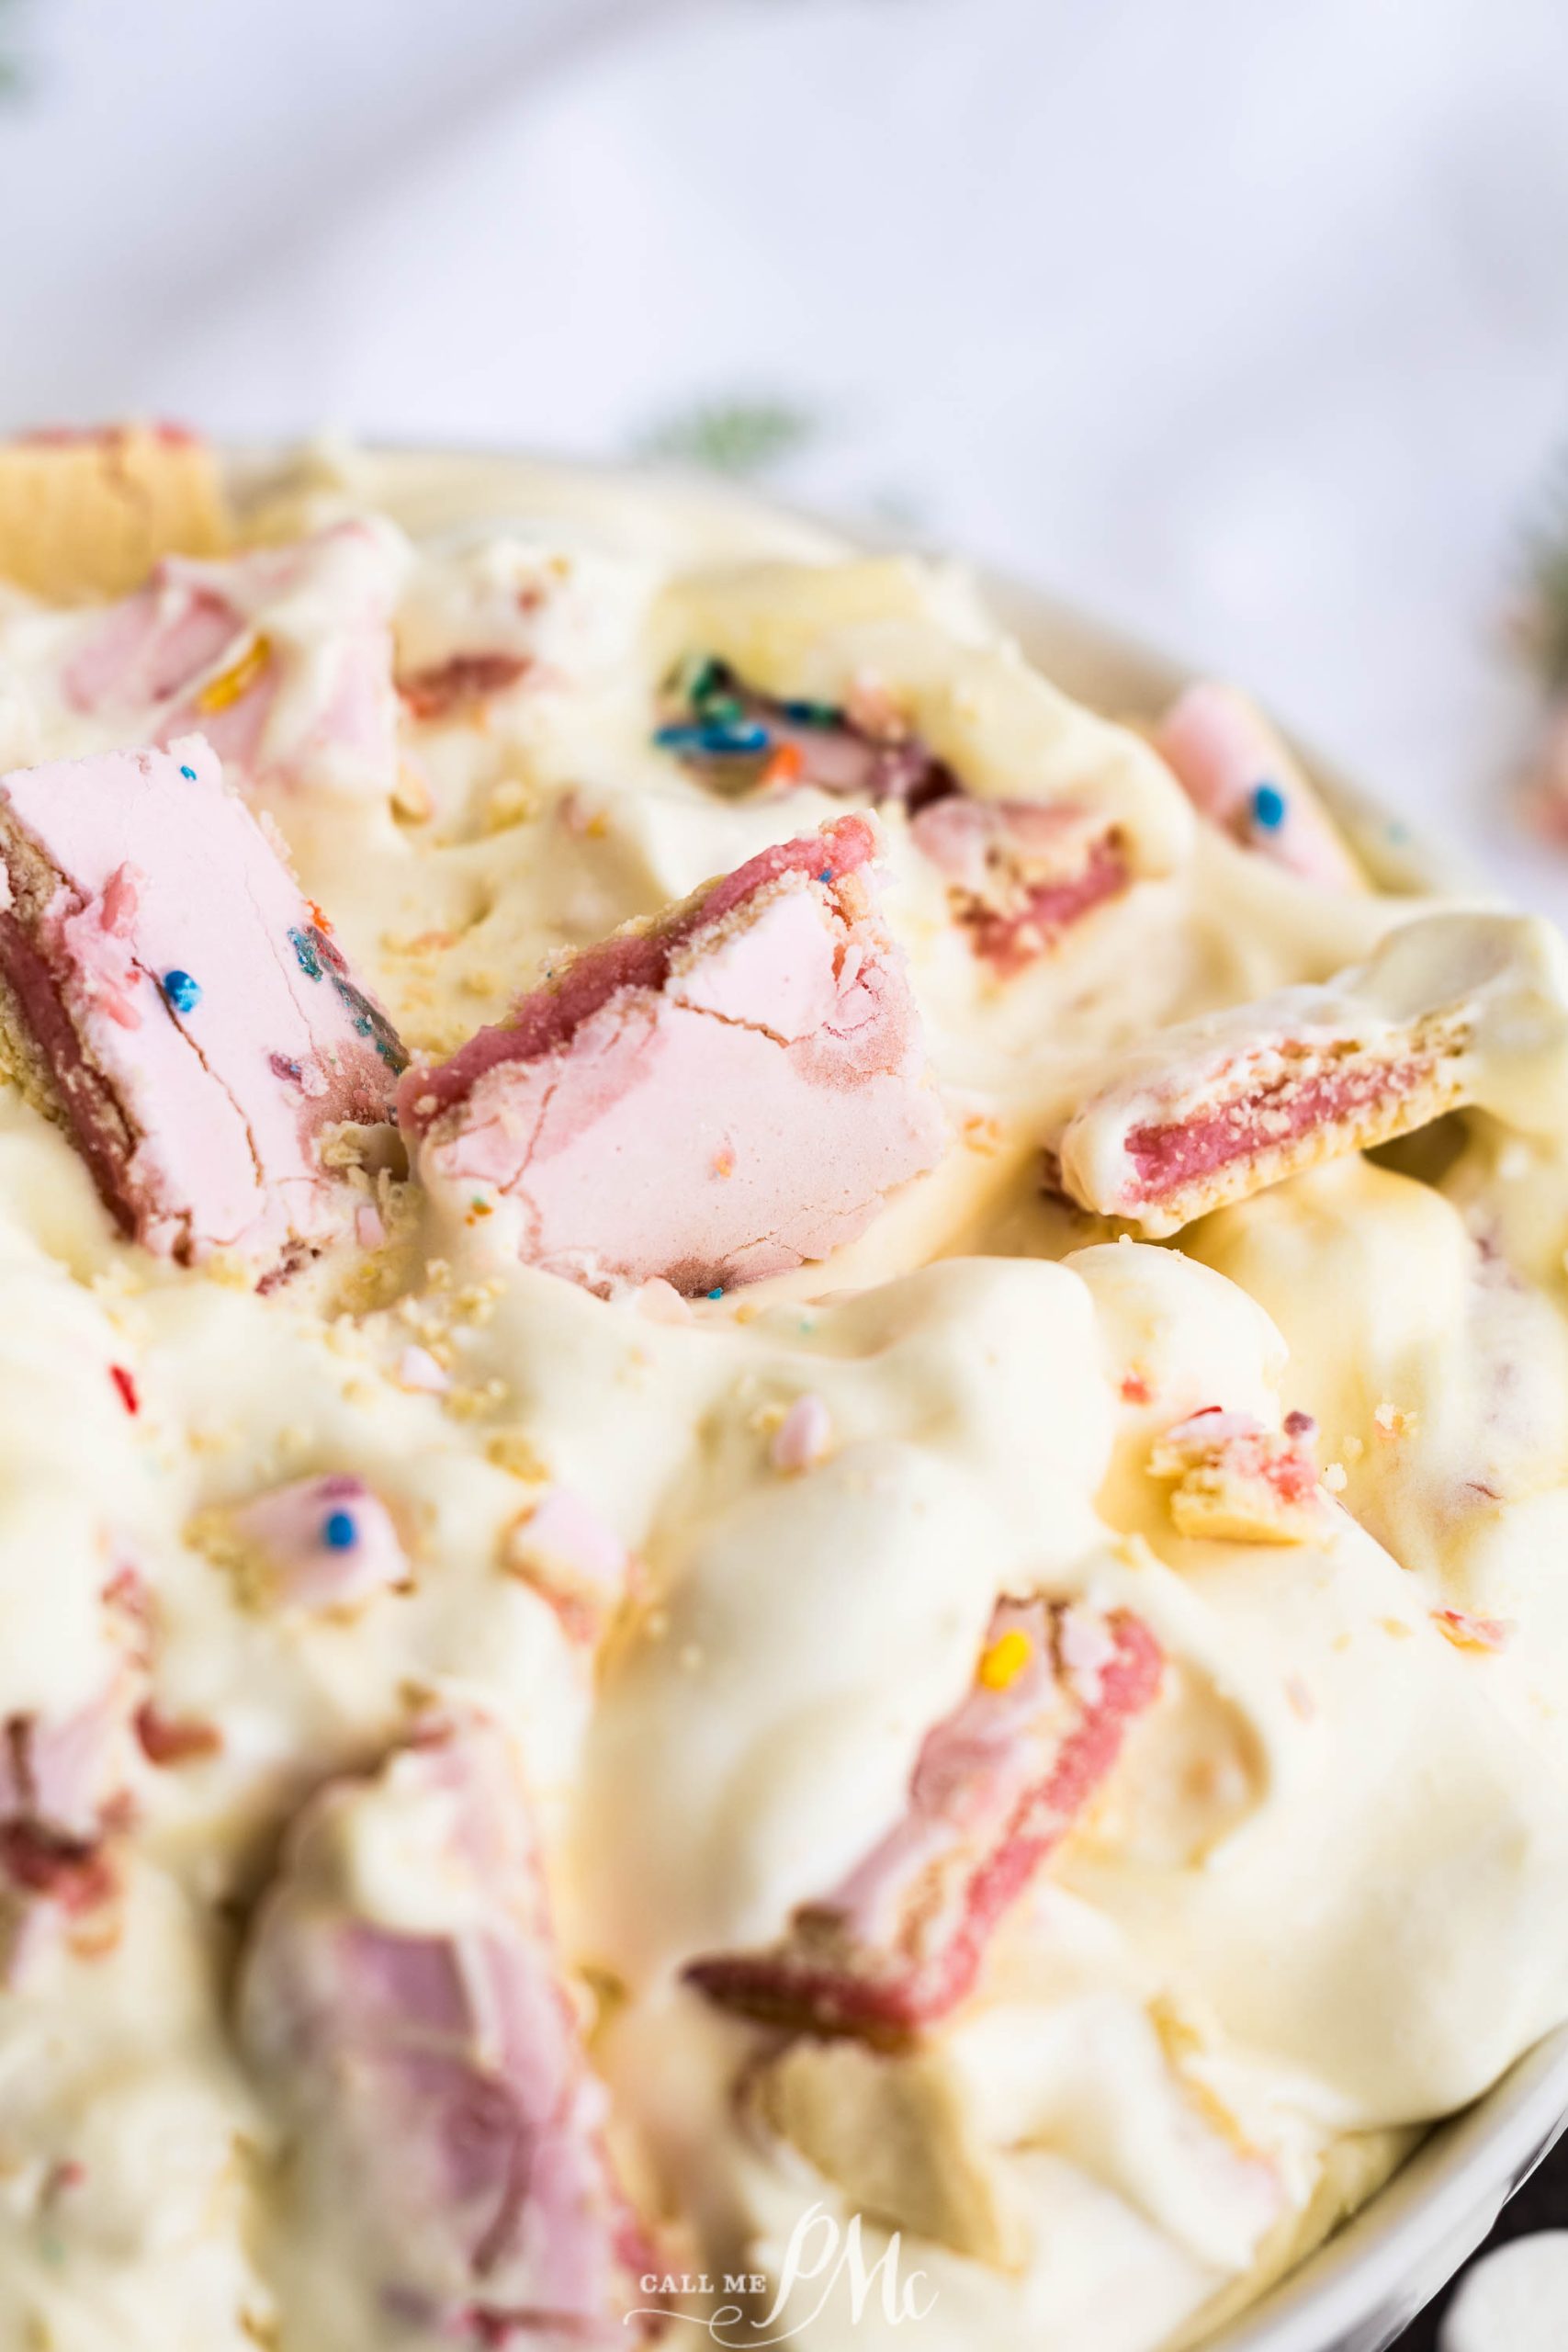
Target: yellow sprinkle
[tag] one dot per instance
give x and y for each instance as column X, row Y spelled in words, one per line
column 412, row 797
column 237, row 679
column 1001, row 1665
column 511, row 802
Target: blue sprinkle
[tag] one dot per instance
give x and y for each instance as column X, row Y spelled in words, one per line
column 720, row 739
column 717, row 1291
column 734, row 740
column 339, row 1532
column 189, row 775
column 306, row 953
column 183, row 993
column 826, row 875
column 1267, row 807
column 810, row 714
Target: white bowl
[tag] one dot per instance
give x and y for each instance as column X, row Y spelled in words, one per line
column 1358, row 2290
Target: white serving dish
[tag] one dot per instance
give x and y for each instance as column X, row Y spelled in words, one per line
column 1366, row 2283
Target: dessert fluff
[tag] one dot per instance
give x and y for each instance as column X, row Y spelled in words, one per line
column 784, row 1437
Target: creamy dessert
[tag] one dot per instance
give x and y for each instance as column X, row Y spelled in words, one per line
column 784, row 1437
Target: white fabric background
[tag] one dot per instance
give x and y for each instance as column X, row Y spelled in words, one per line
column 1244, row 321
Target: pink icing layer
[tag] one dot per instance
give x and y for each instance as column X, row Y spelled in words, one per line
column 1021, row 872
column 159, row 868
column 719, row 1098
column 443, row 2073
column 628, row 959
column 1171, row 1156
column 996, row 1787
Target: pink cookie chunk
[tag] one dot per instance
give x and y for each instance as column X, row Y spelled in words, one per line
column 1021, row 872
column 216, row 647
column 403, row 1998
column 324, row 1543
column 996, row 1787
column 1235, row 1481
column 573, row 1557
column 66, row 1782
column 171, row 1000
column 718, row 1095
column 1237, row 772
column 1449, row 1011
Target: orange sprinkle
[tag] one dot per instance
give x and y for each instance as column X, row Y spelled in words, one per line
column 317, row 917
column 1001, row 1665
column 785, row 764
column 724, row 1162
column 1467, row 1632
column 1134, row 1388
column 237, row 679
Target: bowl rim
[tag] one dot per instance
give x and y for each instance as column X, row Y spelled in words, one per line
column 1415, row 2232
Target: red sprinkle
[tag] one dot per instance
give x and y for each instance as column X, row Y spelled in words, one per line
column 127, row 1387
column 1134, row 1388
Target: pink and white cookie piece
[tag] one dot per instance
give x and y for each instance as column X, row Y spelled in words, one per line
column 718, row 1095
column 1235, row 1481
column 996, row 1785
column 1448, row 1011
column 1022, row 873
column 322, row 1544
column 563, row 1548
column 1236, row 771
column 67, row 1784
column 174, row 1000
column 282, row 658
column 403, row 2000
